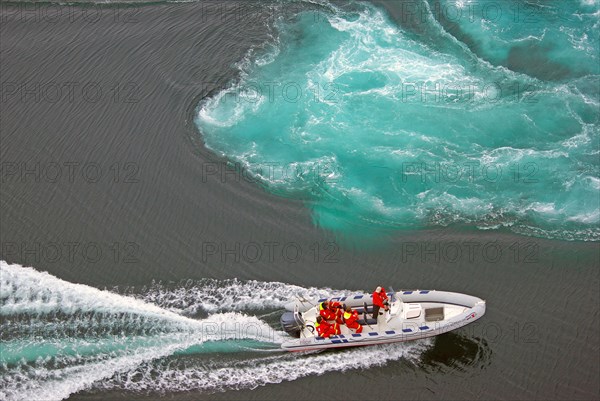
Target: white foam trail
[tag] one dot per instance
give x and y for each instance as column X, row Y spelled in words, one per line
column 64, row 367
column 229, row 295
column 58, row 384
column 259, row 372
column 26, row 290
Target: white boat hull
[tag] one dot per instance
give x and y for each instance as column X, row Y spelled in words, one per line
column 413, row 315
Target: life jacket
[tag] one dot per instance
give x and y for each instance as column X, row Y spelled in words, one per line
column 350, row 318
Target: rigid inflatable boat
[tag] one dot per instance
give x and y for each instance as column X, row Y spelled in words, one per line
column 412, row 315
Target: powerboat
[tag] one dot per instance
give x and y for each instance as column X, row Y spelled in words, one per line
column 412, row 315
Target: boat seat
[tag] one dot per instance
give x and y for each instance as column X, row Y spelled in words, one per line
column 411, row 311
column 361, row 309
column 362, row 322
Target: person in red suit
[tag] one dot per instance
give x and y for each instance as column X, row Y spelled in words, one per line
column 335, row 309
column 325, row 329
column 330, row 311
column 325, row 311
column 380, row 300
column 351, row 320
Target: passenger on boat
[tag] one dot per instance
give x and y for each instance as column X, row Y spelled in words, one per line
column 336, row 309
column 325, row 329
column 330, row 311
column 351, row 320
column 380, row 300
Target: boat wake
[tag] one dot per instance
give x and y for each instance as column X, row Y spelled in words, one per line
column 60, row 338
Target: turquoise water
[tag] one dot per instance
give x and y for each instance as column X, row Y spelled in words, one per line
column 439, row 120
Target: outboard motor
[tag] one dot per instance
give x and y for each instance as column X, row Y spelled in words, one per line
column 292, row 323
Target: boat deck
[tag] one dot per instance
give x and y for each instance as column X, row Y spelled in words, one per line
column 428, row 313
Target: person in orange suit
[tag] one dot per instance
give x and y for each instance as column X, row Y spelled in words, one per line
column 326, row 329
column 351, row 320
